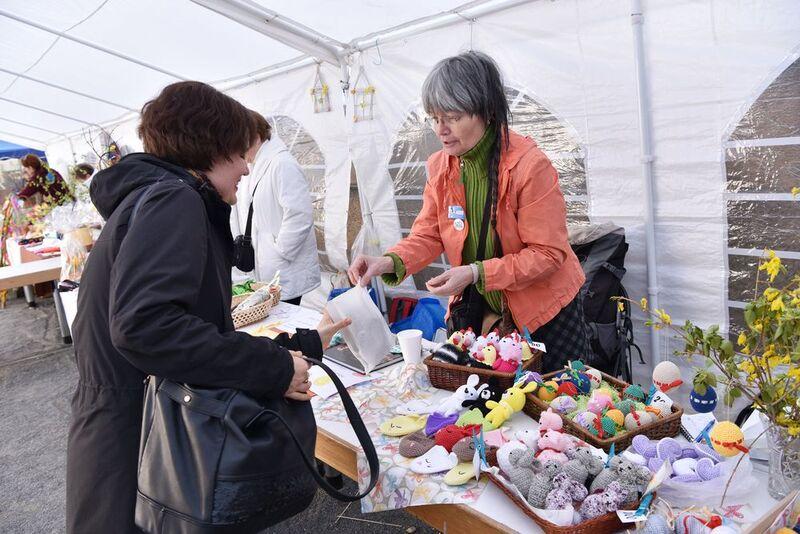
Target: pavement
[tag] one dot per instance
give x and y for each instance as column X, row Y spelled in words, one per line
column 37, row 379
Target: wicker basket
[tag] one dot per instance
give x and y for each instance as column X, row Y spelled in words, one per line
column 451, row 376
column 668, row 426
column 605, row 524
column 256, row 313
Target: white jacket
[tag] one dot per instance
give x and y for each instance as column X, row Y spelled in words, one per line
column 283, row 224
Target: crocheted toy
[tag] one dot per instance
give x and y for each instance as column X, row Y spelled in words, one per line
column 595, row 377
column 437, row 421
column 625, row 406
column 637, row 419
column 576, row 365
column 452, row 434
column 402, row 425
column 566, row 388
column 582, row 382
column 542, row 483
column 703, row 403
column 585, row 419
column 667, row 376
column 550, row 420
column 599, row 402
column 529, row 436
column 469, row 338
column 727, row 439
column 657, row 524
column 502, row 454
column 603, row 428
column 694, row 523
column 582, row 463
column 522, row 467
column 487, row 355
column 460, row 474
column 531, row 376
column 470, row 417
column 527, row 353
column 634, row 392
column 512, row 401
column 617, row 416
column 416, row 444
column 493, row 337
column 610, row 391
column 415, row 407
column 621, row 470
column 449, row 353
column 547, row 391
column 486, row 392
column 477, row 346
column 455, row 402
column 435, row 460
column 553, row 445
column 509, row 351
column 464, row 449
column 564, row 404
column 566, row 490
column 609, row 500
column 458, row 340
column 495, row 438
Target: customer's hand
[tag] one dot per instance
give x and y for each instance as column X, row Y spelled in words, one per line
column 298, row 387
column 450, row 282
column 327, row 328
column 364, row 268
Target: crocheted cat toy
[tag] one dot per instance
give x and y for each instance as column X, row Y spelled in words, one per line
column 566, row 490
column 486, row 392
column 512, row 401
column 609, row 500
column 624, row 472
column 522, row 467
column 553, row 446
column 542, row 484
column 582, row 463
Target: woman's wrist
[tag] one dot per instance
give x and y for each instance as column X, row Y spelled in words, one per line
column 476, row 274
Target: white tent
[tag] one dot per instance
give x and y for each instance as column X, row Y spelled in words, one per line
column 682, row 113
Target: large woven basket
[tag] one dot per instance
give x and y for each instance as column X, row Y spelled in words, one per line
column 256, row 313
column 664, row 427
column 450, row 376
column 604, row 524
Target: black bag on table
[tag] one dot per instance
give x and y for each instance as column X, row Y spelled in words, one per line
column 215, row 460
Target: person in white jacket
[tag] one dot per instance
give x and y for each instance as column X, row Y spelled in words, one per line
column 283, row 226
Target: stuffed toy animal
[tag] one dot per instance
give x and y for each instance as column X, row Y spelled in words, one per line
column 550, row 420
column 449, row 353
column 455, row 402
column 486, row 392
column 609, row 500
column 512, row 401
column 487, row 355
column 566, row 490
column 469, row 338
column 457, row 340
column 502, row 454
column 510, row 354
column 493, row 337
column 626, row 473
column 529, row 436
column 542, row 483
column 582, row 463
column 522, row 467
column 477, row 346
column 552, row 446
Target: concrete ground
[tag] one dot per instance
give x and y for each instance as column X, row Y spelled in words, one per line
column 37, row 378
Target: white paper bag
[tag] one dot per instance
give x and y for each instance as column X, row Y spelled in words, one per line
column 368, row 337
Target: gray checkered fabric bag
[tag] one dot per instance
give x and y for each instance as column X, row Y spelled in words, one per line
column 564, row 337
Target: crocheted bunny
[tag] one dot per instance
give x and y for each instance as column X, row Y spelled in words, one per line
column 486, row 392
column 621, row 470
column 542, row 484
column 512, row 401
column 552, row 446
column 609, row 500
column 454, row 402
column 550, row 420
column 565, row 491
column 582, row 463
column 522, row 468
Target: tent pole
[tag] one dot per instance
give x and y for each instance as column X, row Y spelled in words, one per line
column 47, row 111
column 647, row 159
column 83, row 42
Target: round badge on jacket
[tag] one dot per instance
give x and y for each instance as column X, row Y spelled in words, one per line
column 458, row 224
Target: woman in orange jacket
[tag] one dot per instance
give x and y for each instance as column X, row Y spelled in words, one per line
column 487, row 177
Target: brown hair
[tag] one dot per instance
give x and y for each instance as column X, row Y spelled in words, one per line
column 32, row 161
column 193, row 125
column 263, row 128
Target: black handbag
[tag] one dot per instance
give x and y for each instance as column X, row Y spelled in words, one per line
column 215, row 460
column 244, row 257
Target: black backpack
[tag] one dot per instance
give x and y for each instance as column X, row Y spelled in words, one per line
column 601, row 250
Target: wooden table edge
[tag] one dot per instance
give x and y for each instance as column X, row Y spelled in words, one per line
column 341, row 455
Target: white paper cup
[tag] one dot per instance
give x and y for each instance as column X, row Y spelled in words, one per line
column 410, row 342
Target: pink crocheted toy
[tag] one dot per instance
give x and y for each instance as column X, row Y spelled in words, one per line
column 552, row 446
column 550, row 420
column 510, row 354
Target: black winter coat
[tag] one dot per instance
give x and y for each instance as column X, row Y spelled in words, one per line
column 154, row 299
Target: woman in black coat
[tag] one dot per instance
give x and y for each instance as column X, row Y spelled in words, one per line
column 155, row 297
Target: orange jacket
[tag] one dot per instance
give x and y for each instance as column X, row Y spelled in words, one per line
column 538, row 272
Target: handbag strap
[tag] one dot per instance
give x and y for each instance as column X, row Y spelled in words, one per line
column 360, row 429
column 487, row 214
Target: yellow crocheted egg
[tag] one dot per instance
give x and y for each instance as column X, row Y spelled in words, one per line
column 727, row 439
column 617, row 416
column 548, row 391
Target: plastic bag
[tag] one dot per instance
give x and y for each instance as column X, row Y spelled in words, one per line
column 73, row 257
column 368, row 336
column 709, row 492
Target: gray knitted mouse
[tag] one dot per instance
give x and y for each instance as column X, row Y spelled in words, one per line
column 542, row 483
column 524, row 466
column 582, row 463
column 629, row 475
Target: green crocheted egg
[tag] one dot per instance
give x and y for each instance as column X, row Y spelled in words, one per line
column 577, row 365
column 635, row 392
column 625, row 406
column 609, row 428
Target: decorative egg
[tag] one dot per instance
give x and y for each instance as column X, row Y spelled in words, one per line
column 577, row 365
column 635, row 392
column 625, row 406
column 667, row 376
column 617, row 416
column 583, row 382
column 703, row 403
column 637, row 419
column 595, row 377
column 547, row 391
column 567, row 388
column 564, row 404
column 727, row 439
column 603, row 428
column 585, row 419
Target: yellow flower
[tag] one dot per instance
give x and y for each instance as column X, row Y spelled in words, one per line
column 747, row 366
column 795, row 191
column 773, row 266
column 770, row 293
column 620, row 306
column 742, row 340
column 758, row 326
column 666, row 319
column 643, row 304
column 746, row 350
column 777, row 305
column 794, row 430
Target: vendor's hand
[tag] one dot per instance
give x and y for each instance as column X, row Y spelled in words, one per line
column 327, row 328
column 450, row 282
column 298, row 387
column 365, row 267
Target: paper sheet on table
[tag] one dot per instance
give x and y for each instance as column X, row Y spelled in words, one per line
column 322, row 385
column 293, row 317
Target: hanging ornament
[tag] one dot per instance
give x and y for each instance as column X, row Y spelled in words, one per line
column 705, row 402
column 363, row 97
column 319, row 94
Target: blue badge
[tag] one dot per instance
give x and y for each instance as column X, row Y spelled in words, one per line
column 455, row 212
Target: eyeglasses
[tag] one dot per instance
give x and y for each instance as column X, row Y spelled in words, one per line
column 448, row 120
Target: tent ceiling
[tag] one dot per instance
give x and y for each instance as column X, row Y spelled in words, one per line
column 163, row 41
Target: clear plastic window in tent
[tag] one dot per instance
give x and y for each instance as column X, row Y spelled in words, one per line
column 416, row 141
column 762, row 164
column 308, row 154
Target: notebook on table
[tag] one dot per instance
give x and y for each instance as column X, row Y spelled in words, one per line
column 693, row 424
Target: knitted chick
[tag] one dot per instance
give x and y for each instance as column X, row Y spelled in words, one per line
column 512, row 401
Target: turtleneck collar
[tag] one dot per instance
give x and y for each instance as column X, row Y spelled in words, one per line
column 476, row 159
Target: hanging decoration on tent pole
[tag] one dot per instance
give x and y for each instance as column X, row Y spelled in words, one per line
column 320, row 95
column 363, row 97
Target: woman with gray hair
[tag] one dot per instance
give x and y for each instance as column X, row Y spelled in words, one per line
column 522, row 273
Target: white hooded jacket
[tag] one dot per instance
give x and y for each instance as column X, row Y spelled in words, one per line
column 283, row 224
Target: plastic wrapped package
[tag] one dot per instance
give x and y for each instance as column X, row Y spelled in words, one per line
column 709, row 492
column 73, row 257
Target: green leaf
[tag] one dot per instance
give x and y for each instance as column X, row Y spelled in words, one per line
column 728, row 398
column 712, row 380
column 726, row 348
column 736, row 393
column 701, row 389
column 708, row 363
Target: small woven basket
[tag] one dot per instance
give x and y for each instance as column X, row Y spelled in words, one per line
column 664, row 427
column 451, row 376
column 255, row 313
column 604, row 524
